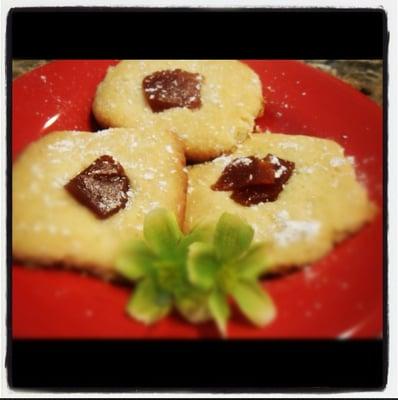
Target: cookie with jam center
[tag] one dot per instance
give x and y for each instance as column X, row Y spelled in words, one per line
column 79, row 196
column 210, row 104
column 314, row 201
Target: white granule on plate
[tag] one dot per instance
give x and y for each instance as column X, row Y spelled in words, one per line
column 351, row 160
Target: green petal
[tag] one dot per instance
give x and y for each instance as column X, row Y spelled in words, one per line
column 148, row 304
column 162, row 232
column 193, row 306
column 202, row 265
column 135, row 261
column 201, row 233
column 253, row 263
column 254, row 302
column 232, row 237
column 219, row 309
column 169, row 275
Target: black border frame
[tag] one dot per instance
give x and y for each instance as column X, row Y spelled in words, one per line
column 289, row 30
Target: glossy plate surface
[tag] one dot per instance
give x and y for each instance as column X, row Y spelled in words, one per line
column 338, row 297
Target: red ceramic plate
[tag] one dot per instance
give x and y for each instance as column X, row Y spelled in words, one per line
column 338, row 297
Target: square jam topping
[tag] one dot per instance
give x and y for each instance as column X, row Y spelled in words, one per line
column 253, row 180
column 245, row 171
column 172, row 88
column 102, row 187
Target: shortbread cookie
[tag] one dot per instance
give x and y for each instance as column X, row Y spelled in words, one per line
column 210, row 104
column 318, row 203
column 79, row 196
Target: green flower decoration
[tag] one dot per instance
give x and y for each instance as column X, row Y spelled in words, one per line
column 196, row 273
column 229, row 265
column 158, row 263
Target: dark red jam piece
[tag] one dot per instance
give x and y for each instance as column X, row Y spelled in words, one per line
column 245, row 171
column 257, row 181
column 102, row 187
column 172, row 88
column 251, row 195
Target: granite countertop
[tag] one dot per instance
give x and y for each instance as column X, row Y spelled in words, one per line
column 364, row 75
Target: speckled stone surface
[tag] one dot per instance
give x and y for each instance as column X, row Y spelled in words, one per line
column 364, row 75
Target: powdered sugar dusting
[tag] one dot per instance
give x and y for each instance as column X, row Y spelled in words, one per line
column 294, row 230
column 280, row 171
column 242, row 160
column 149, row 176
column 62, row 145
column 223, row 160
column 169, row 149
column 288, row 145
column 337, row 162
column 307, row 170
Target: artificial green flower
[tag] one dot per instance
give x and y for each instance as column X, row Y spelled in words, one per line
column 196, row 273
column 230, row 266
column 158, row 263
